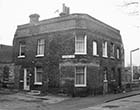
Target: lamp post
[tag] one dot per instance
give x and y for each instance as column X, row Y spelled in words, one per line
column 131, row 65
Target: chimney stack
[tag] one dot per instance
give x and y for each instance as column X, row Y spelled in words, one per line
column 34, row 18
column 65, row 10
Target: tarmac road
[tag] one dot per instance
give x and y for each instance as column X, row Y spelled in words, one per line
column 22, row 101
column 130, row 103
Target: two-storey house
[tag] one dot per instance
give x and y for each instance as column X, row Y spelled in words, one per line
column 74, row 52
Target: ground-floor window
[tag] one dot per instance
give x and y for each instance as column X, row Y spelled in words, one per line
column 38, row 75
column 80, row 76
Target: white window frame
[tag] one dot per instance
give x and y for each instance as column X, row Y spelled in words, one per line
column 95, row 48
column 85, row 46
column 21, row 45
column 118, row 53
column 35, row 77
column 40, row 44
column 112, row 54
column 104, row 48
column 85, row 76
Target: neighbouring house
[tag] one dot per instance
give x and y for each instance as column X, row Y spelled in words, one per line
column 7, row 76
column 75, row 53
column 126, row 76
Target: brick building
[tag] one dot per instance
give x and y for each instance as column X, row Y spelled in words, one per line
column 6, row 66
column 73, row 52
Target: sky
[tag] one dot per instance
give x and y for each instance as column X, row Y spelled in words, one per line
column 111, row 12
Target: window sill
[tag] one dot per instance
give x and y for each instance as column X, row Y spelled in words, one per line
column 105, row 56
column 112, row 57
column 68, row 56
column 38, row 83
column 118, row 58
column 105, row 80
column 96, row 55
column 21, row 56
column 80, row 85
column 39, row 56
column 80, row 53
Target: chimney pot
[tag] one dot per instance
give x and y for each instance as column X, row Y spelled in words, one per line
column 65, row 10
column 34, row 18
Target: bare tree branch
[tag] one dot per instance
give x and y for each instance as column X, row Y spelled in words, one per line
column 130, row 3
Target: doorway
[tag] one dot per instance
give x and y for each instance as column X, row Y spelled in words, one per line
column 26, row 80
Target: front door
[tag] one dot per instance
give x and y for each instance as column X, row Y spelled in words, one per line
column 105, row 81
column 26, row 80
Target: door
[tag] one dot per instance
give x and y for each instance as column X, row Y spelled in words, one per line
column 105, row 81
column 26, row 80
column 119, row 78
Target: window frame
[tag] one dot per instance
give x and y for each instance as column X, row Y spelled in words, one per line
column 95, row 48
column 21, row 45
column 40, row 46
column 112, row 51
column 118, row 53
column 85, row 76
column 85, row 45
column 104, row 49
column 35, row 76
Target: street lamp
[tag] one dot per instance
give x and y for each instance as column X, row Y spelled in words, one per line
column 131, row 66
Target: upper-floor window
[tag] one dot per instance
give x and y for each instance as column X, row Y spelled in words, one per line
column 80, row 44
column 21, row 50
column 112, row 50
column 40, row 47
column 38, row 75
column 95, row 48
column 104, row 47
column 118, row 53
column 80, row 76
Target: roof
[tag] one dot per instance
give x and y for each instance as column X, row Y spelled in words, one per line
column 72, row 21
column 5, row 53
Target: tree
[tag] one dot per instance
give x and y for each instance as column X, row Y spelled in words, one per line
column 132, row 7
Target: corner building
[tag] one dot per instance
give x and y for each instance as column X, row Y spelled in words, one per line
column 75, row 53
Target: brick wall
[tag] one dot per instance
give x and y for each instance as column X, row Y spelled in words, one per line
column 62, row 42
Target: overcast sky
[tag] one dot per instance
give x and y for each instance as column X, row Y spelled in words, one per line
column 111, row 12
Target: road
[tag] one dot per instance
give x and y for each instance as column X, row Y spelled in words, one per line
column 130, row 103
column 23, row 101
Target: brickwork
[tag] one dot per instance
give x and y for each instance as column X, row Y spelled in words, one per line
column 59, row 34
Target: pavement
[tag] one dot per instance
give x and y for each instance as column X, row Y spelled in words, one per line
column 56, row 102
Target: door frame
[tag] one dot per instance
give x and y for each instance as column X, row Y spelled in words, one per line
column 26, row 85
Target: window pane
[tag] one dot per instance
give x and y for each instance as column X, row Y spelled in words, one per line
column 39, row 72
column 80, row 44
column 104, row 48
column 39, row 77
column 79, row 69
column 80, row 78
column 22, row 49
column 40, row 47
column 112, row 50
column 94, row 48
column 118, row 53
